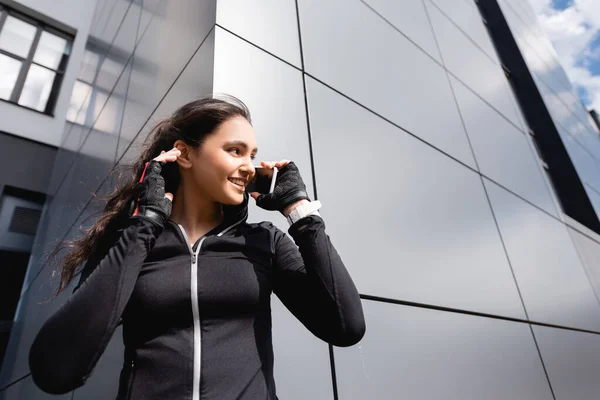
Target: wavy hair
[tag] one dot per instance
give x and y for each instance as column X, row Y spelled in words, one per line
column 191, row 123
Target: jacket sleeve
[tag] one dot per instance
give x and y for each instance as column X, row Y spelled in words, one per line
column 71, row 341
column 313, row 283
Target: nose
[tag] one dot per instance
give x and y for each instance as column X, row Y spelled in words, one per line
column 248, row 168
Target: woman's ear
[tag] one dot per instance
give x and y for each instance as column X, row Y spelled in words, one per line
column 184, row 159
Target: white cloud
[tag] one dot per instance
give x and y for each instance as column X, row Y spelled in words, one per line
column 583, row 77
column 591, row 10
column 572, row 32
column 566, row 23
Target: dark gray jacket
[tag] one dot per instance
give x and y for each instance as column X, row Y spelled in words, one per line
column 197, row 320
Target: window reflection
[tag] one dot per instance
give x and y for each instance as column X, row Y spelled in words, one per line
column 110, row 117
column 93, row 100
column 91, row 105
column 89, row 66
column 80, row 100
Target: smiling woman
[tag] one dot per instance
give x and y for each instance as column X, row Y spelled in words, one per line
column 218, row 170
column 174, row 260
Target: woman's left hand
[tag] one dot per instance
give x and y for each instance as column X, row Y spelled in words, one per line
column 289, row 190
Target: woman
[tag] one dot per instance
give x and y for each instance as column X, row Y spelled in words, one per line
column 189, row 278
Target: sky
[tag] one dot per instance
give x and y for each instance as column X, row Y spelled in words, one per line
column 573, row 27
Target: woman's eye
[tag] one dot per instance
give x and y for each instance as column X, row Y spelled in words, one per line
column 238, row 152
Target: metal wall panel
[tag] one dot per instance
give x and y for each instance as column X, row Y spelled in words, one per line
column 503, row 152
column 415, row 353
column 551, row 278
column 411, row 223
column 370, row 66
column 410, row 18
column 572, row 360
column 269, row 24
column 471, row 65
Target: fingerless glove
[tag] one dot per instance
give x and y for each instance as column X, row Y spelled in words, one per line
column 289, row 188
column 152, row 203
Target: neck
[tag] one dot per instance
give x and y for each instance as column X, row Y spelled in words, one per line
column 197, row 214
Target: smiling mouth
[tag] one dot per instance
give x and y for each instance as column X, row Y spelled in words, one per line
column 240, row 184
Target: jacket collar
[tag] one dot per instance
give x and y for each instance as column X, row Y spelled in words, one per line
column 233, row 215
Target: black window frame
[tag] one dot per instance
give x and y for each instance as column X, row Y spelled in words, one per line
column 27, row 62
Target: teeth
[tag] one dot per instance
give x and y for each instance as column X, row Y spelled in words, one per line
column 239, row 182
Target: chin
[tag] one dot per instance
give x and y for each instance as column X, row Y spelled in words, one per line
column 233, row 199
column 237, row 202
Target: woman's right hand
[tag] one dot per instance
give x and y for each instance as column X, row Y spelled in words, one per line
column 165, row 157
column 154, row 203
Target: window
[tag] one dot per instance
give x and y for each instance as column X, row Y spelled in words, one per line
column 33, row 59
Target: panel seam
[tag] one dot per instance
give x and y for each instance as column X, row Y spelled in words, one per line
column 472, row 313
column 487, row 196
column 537, row 347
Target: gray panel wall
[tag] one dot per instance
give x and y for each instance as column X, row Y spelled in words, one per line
column 570, row 275
column 25, row 164
column 433, row 194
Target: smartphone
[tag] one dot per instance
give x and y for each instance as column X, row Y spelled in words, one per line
column 264, row 180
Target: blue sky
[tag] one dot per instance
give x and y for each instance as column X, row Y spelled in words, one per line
column 561, row 4
column 573, row 27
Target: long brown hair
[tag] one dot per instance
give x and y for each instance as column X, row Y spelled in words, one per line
column 191, row 123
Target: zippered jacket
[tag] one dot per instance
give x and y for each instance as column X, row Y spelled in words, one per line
column 197, row 319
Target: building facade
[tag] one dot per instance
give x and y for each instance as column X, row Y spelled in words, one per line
column 41, row 47
column 459, row 173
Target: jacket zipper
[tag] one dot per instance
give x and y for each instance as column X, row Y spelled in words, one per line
column 196, row 314
column 196, row 308
column 131, row 378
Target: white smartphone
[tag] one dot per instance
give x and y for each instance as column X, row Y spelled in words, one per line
column 264, row 180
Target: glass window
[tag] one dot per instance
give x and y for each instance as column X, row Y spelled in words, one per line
column 16, row 36
column 9, row 71
column 37, row 88
column 51, row 50
column 33, row 58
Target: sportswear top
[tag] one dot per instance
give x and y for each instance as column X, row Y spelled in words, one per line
column 197, row 319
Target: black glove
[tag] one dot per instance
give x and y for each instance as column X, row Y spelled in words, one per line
column 152, row 202
column 289, row 188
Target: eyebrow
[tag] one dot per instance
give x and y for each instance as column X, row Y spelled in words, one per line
column 241, row 144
